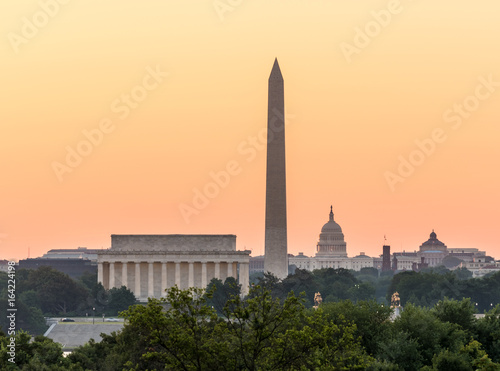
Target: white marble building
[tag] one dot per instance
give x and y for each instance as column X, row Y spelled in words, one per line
column 331, row 251
column 149, row 264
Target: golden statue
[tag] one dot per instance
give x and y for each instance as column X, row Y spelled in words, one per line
column 317, row 300
column 395, row 301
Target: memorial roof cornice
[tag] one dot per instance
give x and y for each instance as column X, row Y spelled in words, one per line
column 153, row 252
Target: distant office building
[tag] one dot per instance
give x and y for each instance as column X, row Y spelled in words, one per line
column 4, row 265
column 78, row 253
column 482, row 265
column 73, row 262
column 74, row 268
column 466, row 254
column 256, row 264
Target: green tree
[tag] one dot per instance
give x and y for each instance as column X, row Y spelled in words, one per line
column 110, row 354
column 427, row 287
column 431, row 334
column 184, row 336
column 267, row 333
column 368, row 271
column 470, row 357
column 371, row 320
column 361, row 291
column 334, row 284
column 120, row 299
column 255, row 277
column 218, row 293
column 401, row 349
column 29, row 319
column 260, row 332
column 57, row 292
column 488, row 332
column 88, row 279
column 463, row 273
column 458, row 312
column 303, row 281
column 41, row 353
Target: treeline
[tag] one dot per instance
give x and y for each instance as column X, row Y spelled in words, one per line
column 263, row 332
column 46, row 292
column 428, row 287
column 275, row 326
column 425, row 288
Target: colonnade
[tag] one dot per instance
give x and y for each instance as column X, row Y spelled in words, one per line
column 152, row 278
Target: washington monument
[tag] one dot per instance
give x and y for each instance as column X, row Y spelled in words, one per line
column 276, row 255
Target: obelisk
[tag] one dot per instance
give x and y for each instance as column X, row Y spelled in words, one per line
column 276, row 254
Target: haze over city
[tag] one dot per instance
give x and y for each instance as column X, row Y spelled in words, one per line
column 130, row 118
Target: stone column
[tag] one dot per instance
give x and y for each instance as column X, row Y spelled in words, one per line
column 137, row 290
column 163, row 278
column 191, row 275
column 111, row 275
column 99, row 273
column 204, row 275
column 124, row 274
column 217, row 270
column 230, row 269
column 151, row 282
column 178, row 275
column 244, row 278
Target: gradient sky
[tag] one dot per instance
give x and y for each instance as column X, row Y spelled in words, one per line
column 429, row 72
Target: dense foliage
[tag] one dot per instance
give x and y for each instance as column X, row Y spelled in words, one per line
column 276, row 328
column 48, row 292
column 263, row 332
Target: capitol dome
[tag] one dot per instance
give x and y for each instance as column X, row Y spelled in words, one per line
column 331, row 226
column 331, row 239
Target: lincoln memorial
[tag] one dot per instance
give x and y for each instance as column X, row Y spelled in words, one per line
column 149, row 264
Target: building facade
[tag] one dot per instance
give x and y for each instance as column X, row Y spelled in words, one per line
column 78, row 253
column 150, row 264
column 482, row 265
column 74, row 268
column 432, row 253
column 331, row 251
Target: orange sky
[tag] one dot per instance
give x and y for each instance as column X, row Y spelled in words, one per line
column 178, row 89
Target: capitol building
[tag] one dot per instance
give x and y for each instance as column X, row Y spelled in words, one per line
column 331, row 251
